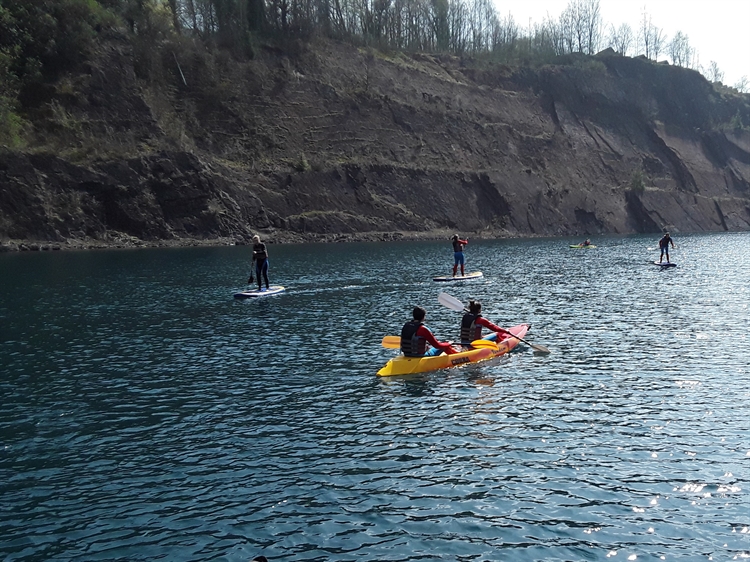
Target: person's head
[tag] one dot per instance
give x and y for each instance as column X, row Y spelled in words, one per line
column 455, row 237
column 256, row 239
column 475, row 307
column 418, row 313
column 666, row 235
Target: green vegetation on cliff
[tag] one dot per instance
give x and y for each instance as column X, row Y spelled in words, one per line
column 39, row 39
column 42, row 39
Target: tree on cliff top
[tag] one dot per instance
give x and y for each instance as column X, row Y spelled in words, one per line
column 38, row 40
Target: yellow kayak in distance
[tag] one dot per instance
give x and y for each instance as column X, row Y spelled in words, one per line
column 402, row 365
column 582, row 246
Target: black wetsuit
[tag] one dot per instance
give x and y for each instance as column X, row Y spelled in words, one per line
column 260, row 255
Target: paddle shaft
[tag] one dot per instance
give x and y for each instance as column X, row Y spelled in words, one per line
column 531, row 345
column 394, row 342
column 454, row 304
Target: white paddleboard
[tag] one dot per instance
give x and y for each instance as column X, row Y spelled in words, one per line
column 467, row 277
column 665, row 264
column 274, row 290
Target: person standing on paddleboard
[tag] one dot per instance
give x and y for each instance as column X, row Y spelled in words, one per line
column 472, row 322
column 260, row 257
column 415, row 336
column 458, row 254
column 664, row 246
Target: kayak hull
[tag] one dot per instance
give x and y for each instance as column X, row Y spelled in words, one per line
column 581, row 246
column 411, row 365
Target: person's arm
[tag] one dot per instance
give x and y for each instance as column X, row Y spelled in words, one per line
column 464, row 241
column 671, row 242
column 427, row 335
column 490, row 326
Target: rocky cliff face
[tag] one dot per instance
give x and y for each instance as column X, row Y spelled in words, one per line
column 331, row 141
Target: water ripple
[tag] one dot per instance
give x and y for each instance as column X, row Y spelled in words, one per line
column 149, row 416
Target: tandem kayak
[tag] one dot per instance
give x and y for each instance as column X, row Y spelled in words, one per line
column 582, row 246
column 411, row 365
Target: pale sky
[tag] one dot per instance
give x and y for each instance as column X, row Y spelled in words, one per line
column 718, row 29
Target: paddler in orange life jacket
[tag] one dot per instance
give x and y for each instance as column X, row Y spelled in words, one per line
column 458, row 254
column 472, row 322
column 415, row 336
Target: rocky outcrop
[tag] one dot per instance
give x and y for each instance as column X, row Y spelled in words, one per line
column 336, row 142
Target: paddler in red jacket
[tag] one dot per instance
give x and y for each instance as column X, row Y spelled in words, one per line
column 472, row 323
column 415, row 336
column 458, row 254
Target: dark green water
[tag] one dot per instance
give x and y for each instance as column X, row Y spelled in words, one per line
column 147, row 415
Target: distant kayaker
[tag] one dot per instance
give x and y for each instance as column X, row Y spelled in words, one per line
column 260, row 257
column 415, row 336
column 664, row 246
column 472, row 322
column 458, row 254
column 586, row 242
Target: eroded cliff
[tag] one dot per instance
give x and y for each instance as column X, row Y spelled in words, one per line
column 330, row 141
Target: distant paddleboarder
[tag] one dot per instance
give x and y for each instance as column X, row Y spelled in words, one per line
column 458, row 254
column 664, row 246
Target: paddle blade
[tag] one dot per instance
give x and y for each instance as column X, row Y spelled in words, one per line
column 391, row 342
column 539, row 348
column 489, row 344
column 450, row 302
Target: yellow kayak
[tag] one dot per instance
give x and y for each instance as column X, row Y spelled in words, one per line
column 411, row 365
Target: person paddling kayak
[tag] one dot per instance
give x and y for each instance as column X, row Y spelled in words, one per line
column 415, row 336
column 664, row 246
column 458, row 254
column 260, row 257
column 472, row 323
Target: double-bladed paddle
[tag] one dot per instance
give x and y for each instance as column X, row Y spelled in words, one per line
column 454, row 304
column 394, row 342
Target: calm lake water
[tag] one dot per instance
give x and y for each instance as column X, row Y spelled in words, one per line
column 147, row 415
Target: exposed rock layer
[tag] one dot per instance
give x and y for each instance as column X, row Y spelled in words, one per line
column 337, row 142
